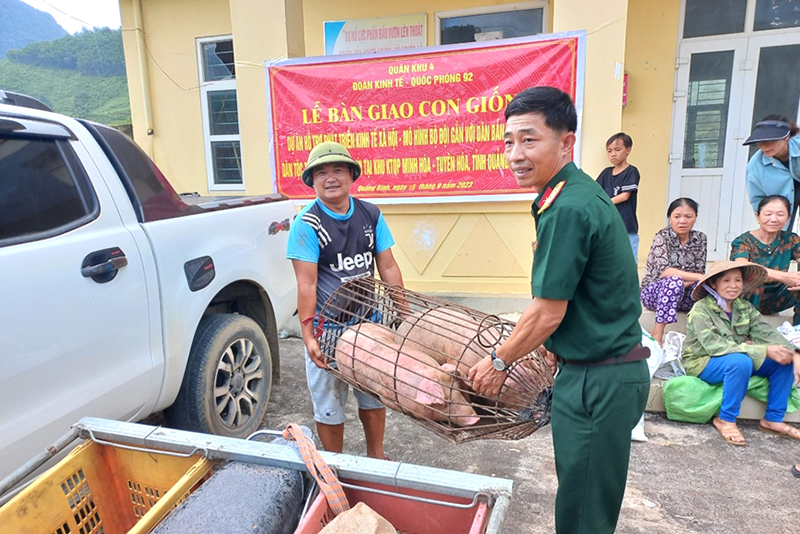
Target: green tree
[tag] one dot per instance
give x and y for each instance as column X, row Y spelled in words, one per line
column 82, row 104
column 96, row 52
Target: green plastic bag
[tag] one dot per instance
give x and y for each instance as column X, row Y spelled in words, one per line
column 689, row 399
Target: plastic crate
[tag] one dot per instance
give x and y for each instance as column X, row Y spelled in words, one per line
column 99, row 489
column 406, row 516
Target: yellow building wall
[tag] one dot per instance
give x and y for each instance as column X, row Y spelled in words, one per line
column 170, row 29
column 252, row 45
column 475, row 248
column 605, row 24
column 470, row 249
column 650, row 62
column 318, row 11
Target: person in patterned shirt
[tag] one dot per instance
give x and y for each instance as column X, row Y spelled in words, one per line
column 677, row 260
column 771, row 247
column 728, row 341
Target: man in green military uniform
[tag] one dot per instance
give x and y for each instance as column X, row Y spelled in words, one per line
column 585, row 310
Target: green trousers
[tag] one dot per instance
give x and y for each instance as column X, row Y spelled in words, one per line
column 594, row 410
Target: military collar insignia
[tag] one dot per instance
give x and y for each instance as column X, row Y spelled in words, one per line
column 549, row 195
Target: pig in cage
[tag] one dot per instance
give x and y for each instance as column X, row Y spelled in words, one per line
column 413, row 352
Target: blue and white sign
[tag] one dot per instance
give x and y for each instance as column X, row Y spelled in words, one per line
column 365, row 36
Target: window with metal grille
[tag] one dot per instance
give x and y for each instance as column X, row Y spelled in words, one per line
column 220, row 114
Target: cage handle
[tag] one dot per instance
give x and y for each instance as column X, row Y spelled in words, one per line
column 265, row 432
column 387, row 493
column 491, row 322
column 145, row 449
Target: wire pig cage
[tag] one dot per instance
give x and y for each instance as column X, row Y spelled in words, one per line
column 413, row 352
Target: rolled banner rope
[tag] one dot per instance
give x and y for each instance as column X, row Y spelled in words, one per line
column 319, row 469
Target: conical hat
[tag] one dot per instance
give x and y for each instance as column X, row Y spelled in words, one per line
column 753, row 275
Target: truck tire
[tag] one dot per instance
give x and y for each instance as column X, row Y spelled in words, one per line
column 228, row 378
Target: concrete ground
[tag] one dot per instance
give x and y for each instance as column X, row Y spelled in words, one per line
column 684, row 480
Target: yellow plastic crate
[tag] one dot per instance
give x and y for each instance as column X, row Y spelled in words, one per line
column 99, row 489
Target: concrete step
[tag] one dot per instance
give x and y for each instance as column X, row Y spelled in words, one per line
column 751, row 408
column 648, row 319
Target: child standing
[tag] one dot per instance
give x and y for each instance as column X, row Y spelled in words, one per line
column 621, row 183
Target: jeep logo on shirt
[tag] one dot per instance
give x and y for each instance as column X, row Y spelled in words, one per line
column 347, row 263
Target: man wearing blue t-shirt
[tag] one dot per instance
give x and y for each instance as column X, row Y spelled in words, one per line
column 332, row 240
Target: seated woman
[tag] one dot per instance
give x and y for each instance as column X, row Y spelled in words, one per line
column 775, row 167
column 773, row 248
column 676, row 261
column 728, row 341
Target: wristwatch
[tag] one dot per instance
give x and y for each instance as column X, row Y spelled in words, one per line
column 498, row 363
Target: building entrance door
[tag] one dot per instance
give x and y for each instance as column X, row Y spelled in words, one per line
column 709, row 92
column 724, row 85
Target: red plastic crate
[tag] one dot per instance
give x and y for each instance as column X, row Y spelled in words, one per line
column 407, row 516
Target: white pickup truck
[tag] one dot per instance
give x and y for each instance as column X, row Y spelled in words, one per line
column 118, row 298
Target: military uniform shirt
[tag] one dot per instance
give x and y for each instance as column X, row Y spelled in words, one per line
column 583, row 256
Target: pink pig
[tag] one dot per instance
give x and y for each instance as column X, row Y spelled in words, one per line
column 405, row 380
column 450, row 336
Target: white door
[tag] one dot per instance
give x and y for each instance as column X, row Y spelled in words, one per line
column 771, row 86
column 74, row 341
column 738, row 62
column 705, row 144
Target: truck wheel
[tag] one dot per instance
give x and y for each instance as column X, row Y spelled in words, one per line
column 228, row 378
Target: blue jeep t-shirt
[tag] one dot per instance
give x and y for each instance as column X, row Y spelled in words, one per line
column 343, row 246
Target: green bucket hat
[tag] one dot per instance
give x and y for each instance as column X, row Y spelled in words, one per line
column 328, row 152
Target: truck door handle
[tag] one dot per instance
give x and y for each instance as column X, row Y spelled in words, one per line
column 106, row 267
column 102, row 265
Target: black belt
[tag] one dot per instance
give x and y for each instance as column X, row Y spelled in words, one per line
column 636, row 354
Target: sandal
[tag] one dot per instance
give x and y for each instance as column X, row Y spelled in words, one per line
column 729, row 432
column 795, row 471
column 788, row 431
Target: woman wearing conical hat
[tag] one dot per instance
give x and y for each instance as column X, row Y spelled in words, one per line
column 728, row 341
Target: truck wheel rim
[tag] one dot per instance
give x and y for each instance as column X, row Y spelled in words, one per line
column 237, row 383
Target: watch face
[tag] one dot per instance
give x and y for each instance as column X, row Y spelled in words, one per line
column 498, row 364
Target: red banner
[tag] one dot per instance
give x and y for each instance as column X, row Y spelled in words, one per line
column 421, row 125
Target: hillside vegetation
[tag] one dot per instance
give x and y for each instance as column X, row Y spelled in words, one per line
column 21, row 24
column 81, row 75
